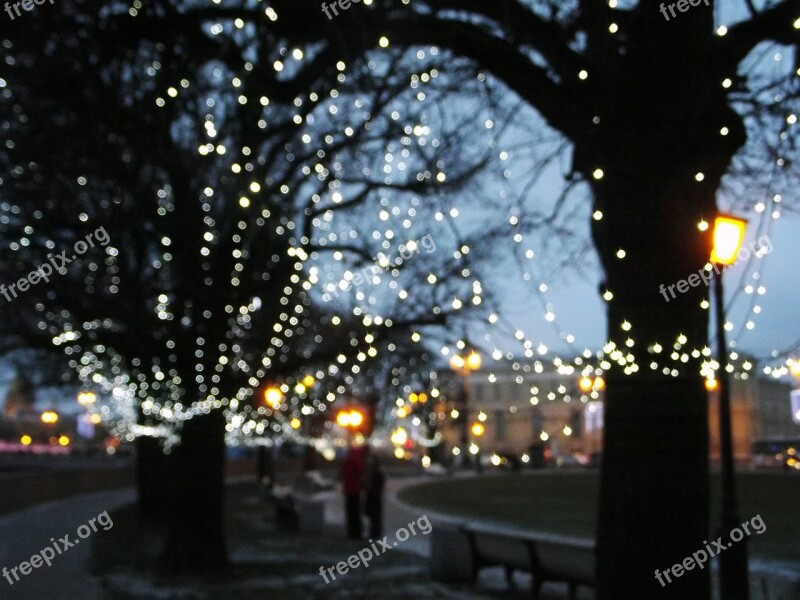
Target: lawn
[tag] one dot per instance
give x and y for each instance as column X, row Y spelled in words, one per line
column 565, row 503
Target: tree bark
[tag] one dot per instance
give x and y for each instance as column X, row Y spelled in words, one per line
column 152, row 480
column 656, row 424
column 196, row 537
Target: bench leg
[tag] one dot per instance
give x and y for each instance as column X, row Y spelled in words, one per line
column 573, row 590
column 509, row 576
column 536, row 587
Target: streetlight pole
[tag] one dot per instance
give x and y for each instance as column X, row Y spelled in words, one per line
column 733, row 576
column 463, row 365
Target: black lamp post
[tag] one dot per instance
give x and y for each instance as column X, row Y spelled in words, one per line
column 733, row 579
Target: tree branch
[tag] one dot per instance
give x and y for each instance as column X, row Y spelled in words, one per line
column 776, row 24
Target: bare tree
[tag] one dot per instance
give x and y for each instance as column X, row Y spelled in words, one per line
column 217, row 173
column 660, row 108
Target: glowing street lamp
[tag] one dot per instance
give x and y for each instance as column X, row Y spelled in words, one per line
column 273, row 397
column 478, row 429
column 399, row 436
column 49, row 417
column 343, row 419
column 87, row 398
column 465, row 364
column 356, row 418
column 350, row 419
column 591, row 384
column 728, row 237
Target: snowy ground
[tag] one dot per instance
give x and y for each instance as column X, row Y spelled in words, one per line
column 272, row 564
column 266, row 563
column 29, row 531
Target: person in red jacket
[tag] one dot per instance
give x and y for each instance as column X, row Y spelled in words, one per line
column 352, row 474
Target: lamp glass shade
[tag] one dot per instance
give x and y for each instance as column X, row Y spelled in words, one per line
column 356, row 418
column 273, row 396
column 473, row 361
column 728, row 237
column 456, row 362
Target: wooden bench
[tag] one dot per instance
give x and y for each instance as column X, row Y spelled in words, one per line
column 546, row 558
column 297, row 512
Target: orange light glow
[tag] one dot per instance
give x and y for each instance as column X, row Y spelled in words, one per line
column 478, row 429
column 49, row 417
column 350, row 418
column 86, row 398
column 356, row 418
column 273, row 397
column 457, row 362
column 712, row 384
column 728, row 237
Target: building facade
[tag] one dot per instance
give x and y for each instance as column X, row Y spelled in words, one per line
column 519, row 409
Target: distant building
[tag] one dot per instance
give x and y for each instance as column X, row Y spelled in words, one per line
column 760, row 411
column 534, row 407
column 540, row 406
column 19, row 397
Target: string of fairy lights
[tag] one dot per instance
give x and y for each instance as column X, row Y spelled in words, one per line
column 316, row 169
column 666, row 357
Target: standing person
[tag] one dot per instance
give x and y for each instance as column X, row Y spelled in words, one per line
column 375, row 481
column 352, row 475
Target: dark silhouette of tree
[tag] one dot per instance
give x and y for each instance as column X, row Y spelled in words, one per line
column 219, row 173
column 659, row 112
column 153, row 105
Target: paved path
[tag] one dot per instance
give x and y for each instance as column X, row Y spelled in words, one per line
column 396, row 515
column 28, row 531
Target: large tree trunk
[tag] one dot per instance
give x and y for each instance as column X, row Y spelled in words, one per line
column 196, row 538
column 152, row 477
column 652, row 143
column 654, row 495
